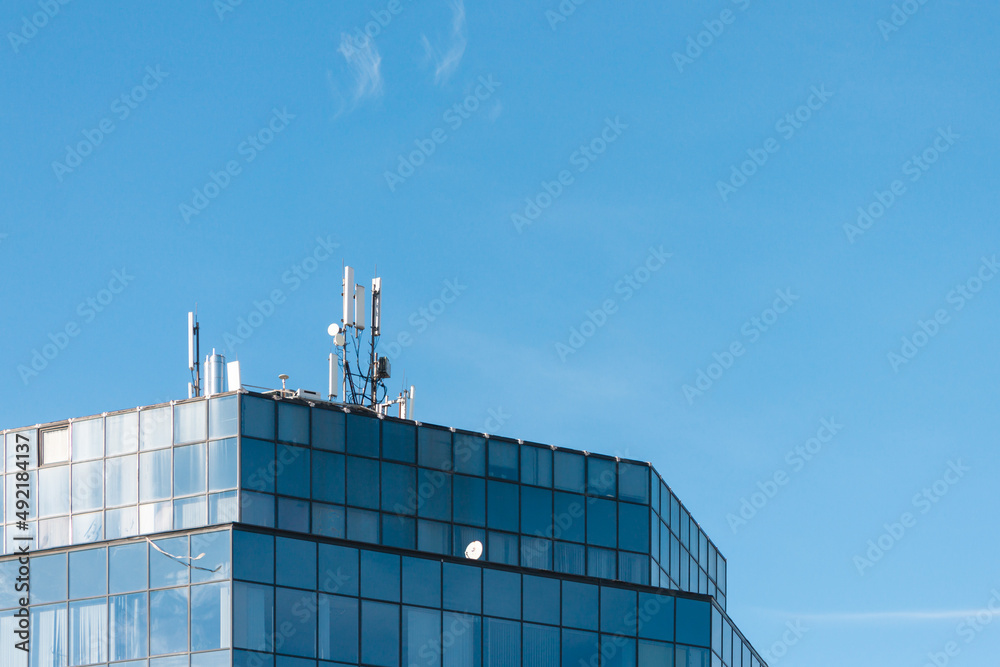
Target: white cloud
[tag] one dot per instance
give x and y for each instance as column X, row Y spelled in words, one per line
column 365, row 63
column 446, row 64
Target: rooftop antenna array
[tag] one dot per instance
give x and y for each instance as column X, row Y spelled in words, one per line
column 194, row 354
column 362, row 388
column 215, row 366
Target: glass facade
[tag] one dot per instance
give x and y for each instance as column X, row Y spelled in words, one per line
column 353, row 551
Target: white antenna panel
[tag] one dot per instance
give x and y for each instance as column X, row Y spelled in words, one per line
column 190, row 341
column 376, row 306
column 359, row 307
column 233, row 375
column 348, row 296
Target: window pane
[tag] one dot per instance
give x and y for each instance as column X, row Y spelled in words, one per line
column 127, row 567
column 461, row 640
column 694, row 622
column 601, row 563
column 55, row 446
column 434, row 537
column 222, row 417
column 421, row 582
column 541, row 646
column 258, row 465
column 503, row 459
column 601, row 479
column 295, row 615
column 362, row 482
column 503, row 593
column 578, row 648
column 501, row 643
column 293, row 515
column 399, row 488
column 293, row 471
column 338, row 628
column 633, row 568
column 536, row 466
column 470, row 454
column 503, row 504
column 48, row 578
column 399, row 441
column 214, row 551
column 168, row 621
column 502, row 548
column 617, row 651
column 121, row 523
column 154, row 475
column 399, row 531
column 254, row 557
column 655, row 654
column 53, row 532
column 380, row 576
column 536, row 512
column 328, row 520
column 633, row 527
column 421, row 636
column 167, row 562
column 222, row 508
column 462, row 588
column 362, row 435
column 470, row 500
column 128, row 626
column 210, row 605
column 190, row 512
column 634, row 481
column 338, row 569
column 155, row 428
column 53, row 491
column 189, row 470
column 618, row 610
column 88, row 486
column 87, row 573
column 257, row 509
column 253, row 616
column 362, row 525
column 222, row 464
column 328, row 477
column 123, row 480
column 88, row 631
column 541, row 599
column 579, row 605
column 569, row 558
column 434, row 449
column 88, row 439
column 48, row 646
column 258, row 417
column 295, row 563
column 601, row 523
column 536, row 552
column 568, row 473
column 568, row 512
column 694, row 657
column 293, row 423
column 379, row 634
column 328, row 429
column 190, row 422
column 122, row 433
column 156, row 517
column 464, row 537
column 434, row 494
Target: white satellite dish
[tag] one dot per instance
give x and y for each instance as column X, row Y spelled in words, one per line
column 475, row 550
column 333, row 329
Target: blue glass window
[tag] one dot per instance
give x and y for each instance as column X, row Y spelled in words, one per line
column 53, row 491
column 258, row 418
column 569, row 558
column 210, row 605
column 579, row 648
column 434, row 537
column 502, row 548
column 338, row 628
column 536, row 466
column 399, row 484
column 470, row 500
column 470, row 454
column 601, row 563
column 536, row 511
column 295, row 614
column 88, row 627
column 503, row 597
column 464, row 536
column 633, row 527
column 295, row 563
column 88, row 486
column 461, row 640
column 379, row 634
column 579, row 605
column 293, row 471
column 223, row 419
column 541, row 599
column 434, row 494
column 328, row 429
column 617, row 651
column 254, row 557
column 328, row 520
column 48, row 578
column 421, row 636
column 293, row 423
column 501, row 643
column 122, row 481
column 257, row 509
column 338, row 569
column 215, row 562
column 168, row 621
column 541, row 646
column 434, row 448
column 168, row 562
column 128, row 625
column 694, row 622
column 362, row 525
column 154, row 475
column 399, row 441
column 127, row 567
column 222, row 464
column 293, row 515
column 155, row 429
column 601, row 479
column 633, row 568
column 48, row 636
column 189, row 470
column 399, row 531
column 258, row 465
column 688, row 656
column 88, row 439
column 601, row 523
column 421, row 582
column 362, row 435
column 655, row 654
column 190, row 422
column 568, row 471
column 88, row 573
column 503, row 459
column 380, row 576
column 618, row 611
column 328, row 477
column 569, row 511
column 503, row 505
column 634, row 481
column 462, row 588
column 253, row 616
column 122, row 433
column 362, row 483
column 536, row 552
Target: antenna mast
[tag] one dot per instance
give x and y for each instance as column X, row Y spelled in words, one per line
column 194, row 354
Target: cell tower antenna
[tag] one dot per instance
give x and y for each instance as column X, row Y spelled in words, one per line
column 194, row 353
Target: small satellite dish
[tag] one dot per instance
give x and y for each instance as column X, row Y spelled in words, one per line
column 333, row 329
column 474, row 550
column 338, row 340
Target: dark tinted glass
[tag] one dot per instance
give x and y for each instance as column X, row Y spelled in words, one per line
column 338, row 569
column 579, row 605
column 503, row 594
column 328, row 429
column 422, row 582
column 633, row 527
column 470, row 454
column 399, row 441
column 541, row 599
column 618, row 610
column 601, row 523
column 362, row 482
column 502, row 505
column 293, row 471
column 380, row 576
column 536, row 511
column 362, row 435
column 601, row 479
column 536, row 466
column 399, row 488
column 293, row 423
column 694, row 622
column 469, row 500
column 568, row 471
column 434, row 494
column 569, row 516
column 328, row 477
column 503, row 459
column 462, row 588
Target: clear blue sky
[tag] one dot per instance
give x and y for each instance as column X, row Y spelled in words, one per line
column 331, row 116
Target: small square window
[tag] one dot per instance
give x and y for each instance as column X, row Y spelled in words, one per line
column 55, row 446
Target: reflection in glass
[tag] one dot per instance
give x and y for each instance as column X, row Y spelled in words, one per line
column 222, row 507
column 190, row 512
column 379, row 634
column 87, row 528
column 122, row 480
column 88, row 629
column 53, row 491
column 338, row 618
column 154, row 475
column 168, row 621
column 88, row 486
column 87, row 573
column 156, row 517
column 222, row 464
column 190, row 422
column 210, row 605
column 48, row 635
column 189, row 470
column 88, row 439
column 127, row 567
column 222, row 417
column 293, row 423
column 154, row 428
column 122, row 522
column 128, row 626
column 122, row 433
